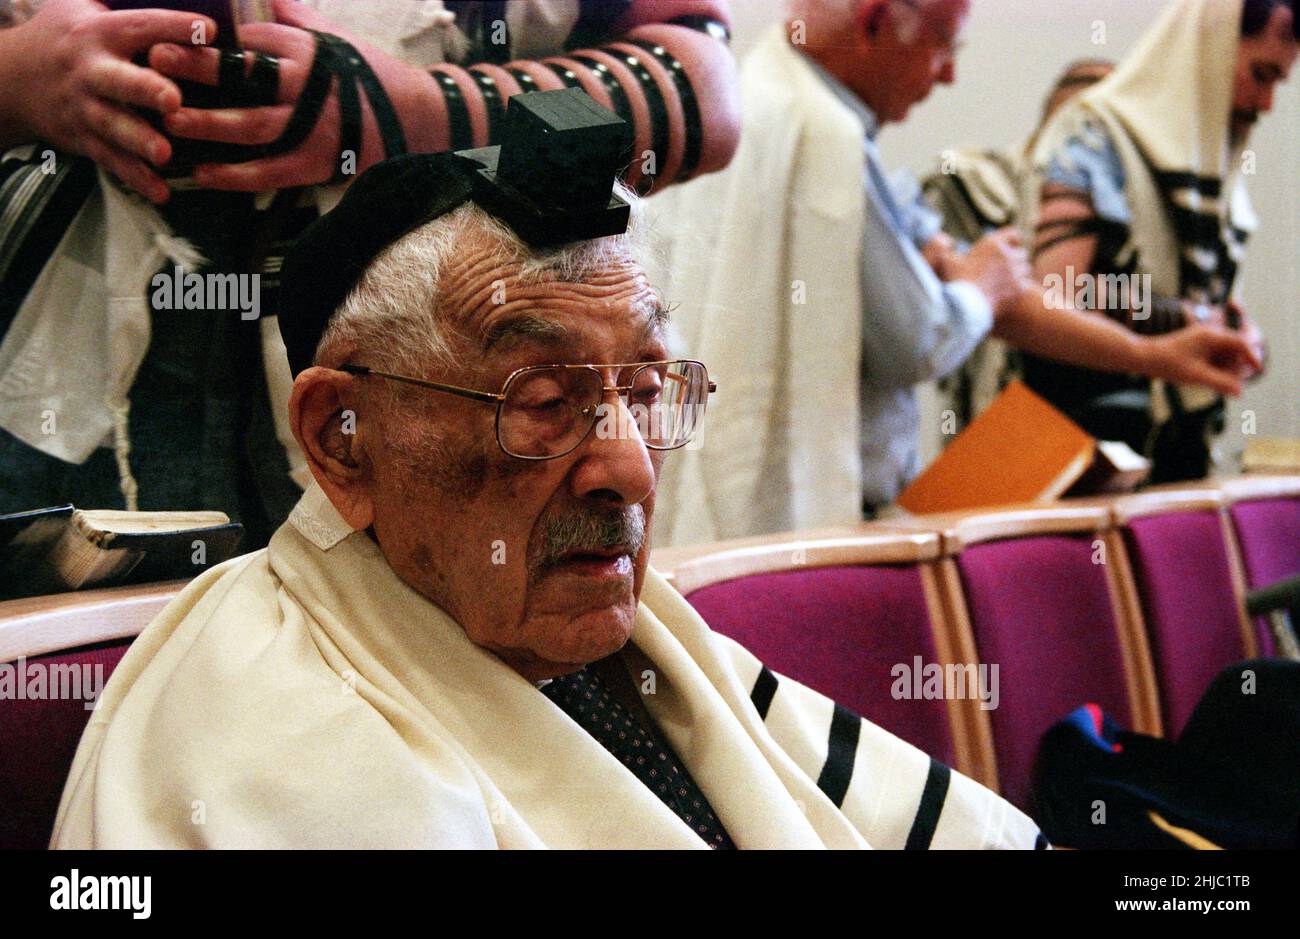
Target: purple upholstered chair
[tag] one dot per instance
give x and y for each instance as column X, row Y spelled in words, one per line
column 834, row 613
column 1047, row 614
column 1190, row 604
column 39, row 731
column 38, row 739
column 1265, row 514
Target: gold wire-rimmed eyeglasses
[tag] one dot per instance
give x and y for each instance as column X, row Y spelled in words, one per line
column 547, row 411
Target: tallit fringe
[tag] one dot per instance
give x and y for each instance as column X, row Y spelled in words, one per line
column 122, row 453
column 176, row 249
column 179, row 251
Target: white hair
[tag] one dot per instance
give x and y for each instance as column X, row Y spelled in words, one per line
column 391, row 317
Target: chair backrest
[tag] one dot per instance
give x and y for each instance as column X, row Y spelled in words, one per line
column 1189, row 592
column 56, row 654
column 837, row 610
column 1039, row 592
column 1265, row 513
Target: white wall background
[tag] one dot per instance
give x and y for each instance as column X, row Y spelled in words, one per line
column 1014, row 50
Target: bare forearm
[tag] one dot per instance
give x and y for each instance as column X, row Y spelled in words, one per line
column 1071, row 336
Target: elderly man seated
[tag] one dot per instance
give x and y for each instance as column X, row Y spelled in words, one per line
column 455, row 641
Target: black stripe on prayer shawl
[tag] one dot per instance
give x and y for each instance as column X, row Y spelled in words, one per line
column 933, row 797
column 764, row 691
column 1041, row 843
column 1198, row 228
column 1201, row 230
column 38, row 208
column 841, row 751
column 1210, row 186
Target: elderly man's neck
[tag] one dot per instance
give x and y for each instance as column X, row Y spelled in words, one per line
column 842, row 62
column 533, row 667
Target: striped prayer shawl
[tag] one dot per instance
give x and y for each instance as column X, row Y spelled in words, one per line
column 1210, row 251
column 310, row 698
column 40, row 194
column 893, row 793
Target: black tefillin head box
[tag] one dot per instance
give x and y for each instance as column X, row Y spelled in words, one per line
column 552, row 177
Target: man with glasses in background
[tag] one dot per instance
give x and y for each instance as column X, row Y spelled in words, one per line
column 456, row 640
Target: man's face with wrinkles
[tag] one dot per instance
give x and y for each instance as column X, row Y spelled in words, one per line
column 508, row 547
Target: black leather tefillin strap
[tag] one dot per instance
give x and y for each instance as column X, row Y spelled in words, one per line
column 336, row 57
column 654, row 100
column 690, row 106
column 231, row 66
column 462, row 134
column 492, row 100
column 526, row 81
column 564, row 74
column 263, row 81
column 350, row 128
column 240, row 84
column 617, row 95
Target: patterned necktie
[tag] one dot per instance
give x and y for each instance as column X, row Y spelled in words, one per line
column 587, row 700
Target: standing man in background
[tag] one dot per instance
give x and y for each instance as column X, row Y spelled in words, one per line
column 824, row 299
column 1140, row 178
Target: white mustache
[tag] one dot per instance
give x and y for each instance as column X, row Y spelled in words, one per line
column 590, row 530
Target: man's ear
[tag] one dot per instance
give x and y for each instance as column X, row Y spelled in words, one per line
column 325, row 423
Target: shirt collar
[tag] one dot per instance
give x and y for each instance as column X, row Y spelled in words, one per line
column 860, row 109
column 317, row 520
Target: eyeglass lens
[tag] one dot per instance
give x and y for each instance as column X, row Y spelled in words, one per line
column 548, row 411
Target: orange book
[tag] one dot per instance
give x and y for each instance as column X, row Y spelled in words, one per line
column 1021, row 449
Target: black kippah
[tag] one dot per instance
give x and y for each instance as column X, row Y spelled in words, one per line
column 386, row 202
column 551, row 180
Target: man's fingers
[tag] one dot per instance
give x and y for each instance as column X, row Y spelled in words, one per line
column 125, row 131
column 130, row 31
column 1236, row 347
column 125, row 83
column 292, row 47
column 186, row 63
column 1217, row 361
column 1256, row 356
column 1222, row 382
column 230, row 125
column 293, row 13
column 130, row 169
column 281, row 172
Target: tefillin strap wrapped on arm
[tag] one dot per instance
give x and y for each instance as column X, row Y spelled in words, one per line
column 257, row 86
column 337, row 57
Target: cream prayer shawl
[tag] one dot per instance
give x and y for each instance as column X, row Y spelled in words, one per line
column 304, row 697
column 762, row 265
